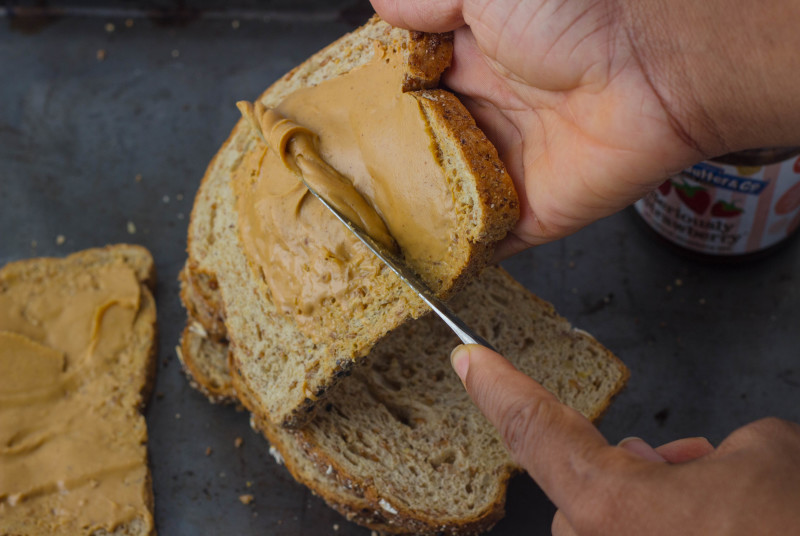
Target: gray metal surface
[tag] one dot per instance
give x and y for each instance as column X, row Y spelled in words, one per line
column 710, row 347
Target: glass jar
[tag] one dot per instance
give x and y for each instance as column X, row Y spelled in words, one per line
column 732, row 206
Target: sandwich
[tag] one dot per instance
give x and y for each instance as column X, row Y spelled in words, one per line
column 333, row 356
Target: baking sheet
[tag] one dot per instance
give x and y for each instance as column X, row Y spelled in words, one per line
column 108, row 119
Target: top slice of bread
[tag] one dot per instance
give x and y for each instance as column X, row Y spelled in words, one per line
column 399, row 447
column 283, row 370
column 128, row 379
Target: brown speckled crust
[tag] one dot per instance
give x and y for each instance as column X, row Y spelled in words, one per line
column 218, row 390
column 200, row 297
column 456, row 130
column 496, row 190
column 428, row 56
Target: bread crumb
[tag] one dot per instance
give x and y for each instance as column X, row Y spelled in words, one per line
column 235, row 24
column 176, row 53
column 138, row 177
column 34, row 243
column 129, row 23
column 208, row 451
column 165, row 199
column 131, row 228
column 180, row 215
column 60, row 239
column 701, row 301
column 198, row 329
column 669, row 288
column 335, row 526
column 246, row 498
column 177, row 415
column 101, row 54
column 222, row 474
column 110, row 27
column 373, row 533
column 678, row 282
column 248, row 484
column 386, row 506
column 179, row 197
column 275, row 454
column 238, row 442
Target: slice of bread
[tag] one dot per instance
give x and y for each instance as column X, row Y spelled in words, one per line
column 284, row 370
column 95, row 395
column 399, row 447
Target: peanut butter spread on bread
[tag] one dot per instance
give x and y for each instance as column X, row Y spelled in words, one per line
column 298, row 149
column 379, row 139
column 73, row 459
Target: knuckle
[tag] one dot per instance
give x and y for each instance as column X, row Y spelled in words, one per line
column 519, row 422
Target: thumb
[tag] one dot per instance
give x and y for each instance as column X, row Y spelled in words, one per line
column 554, row 443
column 422, row 15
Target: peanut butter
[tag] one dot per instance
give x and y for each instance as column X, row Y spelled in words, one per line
column 377, row 137
column 72, row 452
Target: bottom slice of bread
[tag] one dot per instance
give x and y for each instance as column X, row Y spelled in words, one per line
column 400, row 447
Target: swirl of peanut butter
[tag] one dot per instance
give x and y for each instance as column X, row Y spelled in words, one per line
column 298, row 149
column 368, row 148
column 72, row 458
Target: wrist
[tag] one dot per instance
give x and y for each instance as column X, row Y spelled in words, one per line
column 725, row 70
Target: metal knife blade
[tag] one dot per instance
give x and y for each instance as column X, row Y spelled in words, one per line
column 467, row 335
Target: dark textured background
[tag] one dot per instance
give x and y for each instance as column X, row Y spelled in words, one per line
column 710, row 347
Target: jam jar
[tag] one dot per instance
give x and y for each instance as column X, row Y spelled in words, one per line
column 734, row 206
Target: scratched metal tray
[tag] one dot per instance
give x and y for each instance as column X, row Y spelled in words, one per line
column 109, row 114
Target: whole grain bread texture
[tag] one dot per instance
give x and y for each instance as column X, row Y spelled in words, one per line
column 399, row 447
column 284, row 371
column 132, row 373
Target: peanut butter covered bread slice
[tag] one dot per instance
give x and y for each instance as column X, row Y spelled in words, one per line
column 302, row 301
column 77, row 358
column 400, row 448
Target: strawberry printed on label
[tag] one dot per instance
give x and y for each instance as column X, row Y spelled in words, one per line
column 696, row 198
column 665, row 187
column 722, row 209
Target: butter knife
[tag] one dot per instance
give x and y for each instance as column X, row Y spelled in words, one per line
column 467, row 335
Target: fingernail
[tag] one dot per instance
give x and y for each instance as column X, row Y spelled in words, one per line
column 640, row 448
column 459, row 359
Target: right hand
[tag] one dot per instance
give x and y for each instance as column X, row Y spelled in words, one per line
column 748, row 485
column 588, row 101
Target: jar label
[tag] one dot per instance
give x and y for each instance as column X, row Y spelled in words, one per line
column 723, row 209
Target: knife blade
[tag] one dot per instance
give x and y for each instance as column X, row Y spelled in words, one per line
column 407, row 275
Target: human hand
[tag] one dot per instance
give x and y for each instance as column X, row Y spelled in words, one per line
column 749, row 484
column 591, row 104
